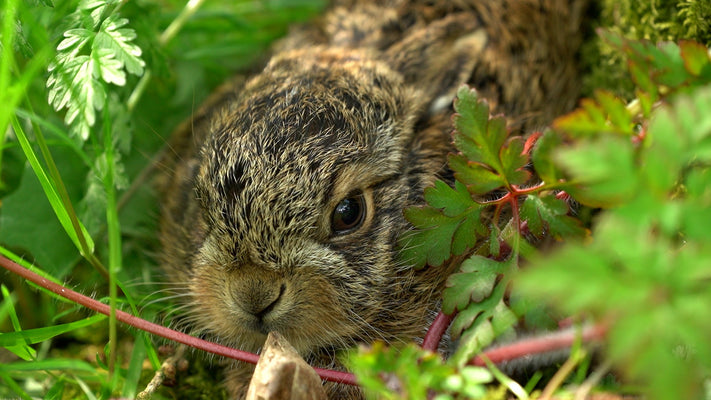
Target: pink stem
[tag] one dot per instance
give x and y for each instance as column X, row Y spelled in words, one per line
column 436, row 331
column 555, row 341
column 329, row 375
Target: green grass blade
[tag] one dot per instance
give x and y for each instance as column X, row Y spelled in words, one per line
column 57, row 132
column 49, row 188
column 37, row 335
column 84, row 387
column 22, row 350
column 54, row 364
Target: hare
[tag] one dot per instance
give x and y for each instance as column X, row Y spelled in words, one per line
column 283, row 199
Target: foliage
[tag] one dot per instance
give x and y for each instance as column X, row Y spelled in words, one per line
column 650, row 252
column 655, row 21
column 410, row 373
column 641, row 269
column 90, row 89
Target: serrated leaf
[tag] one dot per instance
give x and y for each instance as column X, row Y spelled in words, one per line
column 513, row 161
column 679, row 134
column 89, row 92
column 452, row 201
column 478, row 178
column 664, row 154
column 586, row 120
column 75, row 39
column 475, row 283
column 477, row 313
column 110, row 69
column 468, row 232
column 475, row 339
column 537, row 210
column 670, row 65
column 529, row 213
column 606, row 113
column 437, row 235
column 642, row 79
column 475, row 136
column 119, row 42
column 431, row 243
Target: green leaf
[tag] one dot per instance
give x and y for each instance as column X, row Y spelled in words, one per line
column 605, row 114
column 110, row 69
column 51, row 194
column 603, row 170
column 478, row 138
column 431, row 243
column 449, row 225
column 474, row 283
column 479, row 324
column 467, row 233
column 73, row 85
column 513, row 161
column 478, row 178
column 54, row 364
column 452, row 201
column 537, row 210
column 38, row 335
column 74, row 41
column 22, row 350
column 616, row 111
column 642, row 79
column 118, row 41
column 438, row 236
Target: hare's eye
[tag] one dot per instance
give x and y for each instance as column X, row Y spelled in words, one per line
column 348, row 214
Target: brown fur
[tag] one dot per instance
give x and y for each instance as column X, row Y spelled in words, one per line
column 360, row 100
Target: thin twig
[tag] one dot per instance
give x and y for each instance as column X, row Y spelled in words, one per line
column 180, row 337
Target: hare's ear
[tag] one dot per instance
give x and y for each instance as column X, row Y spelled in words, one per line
column 439, row 57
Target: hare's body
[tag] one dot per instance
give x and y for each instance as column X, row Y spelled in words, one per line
column 285, row 198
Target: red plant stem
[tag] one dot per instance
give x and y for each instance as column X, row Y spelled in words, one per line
column 537, row 345
column 554, row 341
column 436, row 331
column 329, row 375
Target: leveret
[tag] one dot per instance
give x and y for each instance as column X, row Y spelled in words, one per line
column 283, row 196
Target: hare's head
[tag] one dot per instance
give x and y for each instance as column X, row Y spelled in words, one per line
column 301, row 185
column 301, row 190
column 287, row 217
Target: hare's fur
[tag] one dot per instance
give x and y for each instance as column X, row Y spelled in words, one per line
column 359, row 101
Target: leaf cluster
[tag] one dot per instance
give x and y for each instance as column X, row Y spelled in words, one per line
column 467, row 220
column 413, row 373
column 96, row 51
column 655, row 21
column 642, row 267
column 644, row 271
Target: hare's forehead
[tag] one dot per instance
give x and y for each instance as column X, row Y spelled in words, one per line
column 297, row 134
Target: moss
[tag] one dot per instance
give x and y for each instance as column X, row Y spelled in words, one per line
column 653, row 20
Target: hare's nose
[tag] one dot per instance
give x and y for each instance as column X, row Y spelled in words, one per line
column 262, row 300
